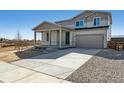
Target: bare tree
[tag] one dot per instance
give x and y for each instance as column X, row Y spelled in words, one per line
column 18, row 36
column 18, row 40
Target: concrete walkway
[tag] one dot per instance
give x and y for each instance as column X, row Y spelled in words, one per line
column 14, row 74
column 48, row 68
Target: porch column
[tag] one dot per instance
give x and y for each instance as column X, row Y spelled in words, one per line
column 49, row 37
column 35, row 36
column 41, row 38
column 60, row 37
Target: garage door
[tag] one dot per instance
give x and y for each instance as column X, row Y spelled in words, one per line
column 89, row 41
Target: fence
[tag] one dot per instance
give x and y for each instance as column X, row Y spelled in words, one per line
column 116, row 45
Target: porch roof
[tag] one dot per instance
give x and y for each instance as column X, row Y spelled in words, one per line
column 46, row 26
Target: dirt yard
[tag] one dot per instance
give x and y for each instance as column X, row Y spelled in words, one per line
column 105, row 67
column 8, row 54
column 5, row 49
column 11, row 48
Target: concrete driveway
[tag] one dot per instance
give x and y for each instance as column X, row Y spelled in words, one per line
column 51, row 67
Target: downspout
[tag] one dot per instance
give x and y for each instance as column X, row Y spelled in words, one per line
column 49, row 38
column 35, row 39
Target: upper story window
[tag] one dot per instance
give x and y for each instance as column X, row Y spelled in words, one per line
column 79, row 24
column 96, row 21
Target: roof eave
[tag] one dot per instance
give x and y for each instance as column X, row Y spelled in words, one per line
column 92, row 27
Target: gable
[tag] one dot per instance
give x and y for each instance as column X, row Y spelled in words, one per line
column 87, row 16
column 83, row 15
column 46, row 26
column 72, row 20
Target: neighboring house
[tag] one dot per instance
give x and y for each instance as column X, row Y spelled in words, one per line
column 117, row 38
column 90, row 29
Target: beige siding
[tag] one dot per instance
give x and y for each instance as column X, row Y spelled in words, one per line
column 64, row 37
column 44, row 42
column 72, row 38
column 53, row 37
column 102, row 23
column 102, row 15
column 43, row 36
column 72, row 21
column 88, row 20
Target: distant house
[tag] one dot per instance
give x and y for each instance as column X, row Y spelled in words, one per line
column 118, row 38
column 89, row 29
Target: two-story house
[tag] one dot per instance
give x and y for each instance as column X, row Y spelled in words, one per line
column 89, row 29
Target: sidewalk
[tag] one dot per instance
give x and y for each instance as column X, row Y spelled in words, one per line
column 14, row 74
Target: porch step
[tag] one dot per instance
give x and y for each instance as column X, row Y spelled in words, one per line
column 39, row 47
column 46, row 48
column 50, row 49
column 66, row 47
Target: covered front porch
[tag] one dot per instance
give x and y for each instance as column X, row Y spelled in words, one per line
column 54, row 35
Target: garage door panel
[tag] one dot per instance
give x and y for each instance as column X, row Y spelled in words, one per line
column 89, row 41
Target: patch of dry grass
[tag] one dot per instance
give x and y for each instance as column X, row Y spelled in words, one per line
column 11, row 56
column 11, row 48
column 5, row 49
column 28, row 53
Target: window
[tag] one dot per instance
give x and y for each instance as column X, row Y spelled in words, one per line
column 47, row 37
column 96, row 21
column 79, row 24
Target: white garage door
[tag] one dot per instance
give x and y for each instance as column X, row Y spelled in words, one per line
column 89, row 41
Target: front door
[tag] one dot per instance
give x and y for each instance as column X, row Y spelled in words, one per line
column 67, row 38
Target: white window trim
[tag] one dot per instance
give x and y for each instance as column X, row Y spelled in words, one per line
column 79, row 23
column 99, row 19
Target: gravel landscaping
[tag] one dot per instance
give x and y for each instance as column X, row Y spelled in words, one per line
column 105, row 67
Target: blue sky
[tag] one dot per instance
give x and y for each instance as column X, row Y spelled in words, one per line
column 11, row 21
